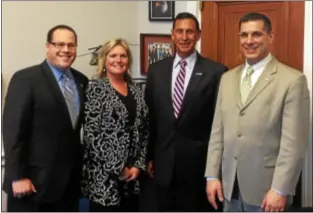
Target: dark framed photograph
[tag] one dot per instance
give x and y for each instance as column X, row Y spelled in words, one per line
column 161, row 10
column 153, row 48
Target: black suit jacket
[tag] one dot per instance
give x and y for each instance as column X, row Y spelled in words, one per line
column 180, row 145
column 40, row 142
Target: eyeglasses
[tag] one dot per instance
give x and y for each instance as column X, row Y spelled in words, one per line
column 61, row 45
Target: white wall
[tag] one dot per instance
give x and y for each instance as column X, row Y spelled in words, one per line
column 26, row 23
column 95, row 22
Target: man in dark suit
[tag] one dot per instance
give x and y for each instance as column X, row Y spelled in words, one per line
column 181, row 92
column 41, row 130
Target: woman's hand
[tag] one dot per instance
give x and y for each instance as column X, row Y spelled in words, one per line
column 130, row 173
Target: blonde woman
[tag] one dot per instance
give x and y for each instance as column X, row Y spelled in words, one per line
column 115, row 132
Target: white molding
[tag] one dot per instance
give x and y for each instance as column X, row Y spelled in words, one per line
column 2, row 160
column 307, row 70
column 2, row 153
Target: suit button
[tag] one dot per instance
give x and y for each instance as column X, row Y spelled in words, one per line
column 235, row 157
column 242, row 113
column 239, row 135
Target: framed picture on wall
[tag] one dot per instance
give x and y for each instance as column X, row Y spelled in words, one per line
column 154, row 47
column 161, row 10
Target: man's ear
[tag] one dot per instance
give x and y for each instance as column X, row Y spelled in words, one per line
column 271, row 35
column 199, row 35
column 47, row 47
column 172, row 34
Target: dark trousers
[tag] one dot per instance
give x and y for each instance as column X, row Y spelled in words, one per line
column 184, row 196
column 53, row 202
column 26, row 204
column 147, row 197
column 128, row 204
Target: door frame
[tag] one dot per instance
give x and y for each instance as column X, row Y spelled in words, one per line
column 209, row 46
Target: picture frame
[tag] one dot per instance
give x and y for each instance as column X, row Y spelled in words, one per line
column 161, row 10
column 153, row 48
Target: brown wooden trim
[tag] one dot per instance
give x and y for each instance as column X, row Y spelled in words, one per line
column 293, row 13
column 208, row 37
column 296, row 12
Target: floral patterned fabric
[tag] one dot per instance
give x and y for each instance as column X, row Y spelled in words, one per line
column 110, row 144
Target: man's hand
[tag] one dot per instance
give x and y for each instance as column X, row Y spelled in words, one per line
column 274, row 202
column 214, row 189
column 22, row 187
column 150, row 169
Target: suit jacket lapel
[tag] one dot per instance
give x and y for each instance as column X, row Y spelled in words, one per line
column 264, row 80
column 54, row 86
column 236, row 84
column 195, row 79
column 56, row 91
column 167, row 82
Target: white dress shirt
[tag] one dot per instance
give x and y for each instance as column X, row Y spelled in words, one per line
column 191, row 60
column 258, row 69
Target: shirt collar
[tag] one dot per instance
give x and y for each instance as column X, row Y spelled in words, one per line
column 261, row 63
column 190, row 59
column 57, row 72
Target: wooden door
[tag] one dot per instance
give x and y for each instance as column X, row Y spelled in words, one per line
column 220, row 28
column 220, row 39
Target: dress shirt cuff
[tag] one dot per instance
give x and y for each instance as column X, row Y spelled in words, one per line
column 211, row 178
column 279, row 192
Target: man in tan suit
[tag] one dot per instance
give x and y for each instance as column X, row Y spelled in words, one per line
column 260, row 130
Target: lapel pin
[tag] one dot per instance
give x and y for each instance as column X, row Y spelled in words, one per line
column 199, row 73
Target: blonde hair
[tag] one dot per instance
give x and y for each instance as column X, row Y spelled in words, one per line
column 104, row 51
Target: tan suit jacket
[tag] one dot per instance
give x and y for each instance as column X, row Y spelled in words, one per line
column 265, row 138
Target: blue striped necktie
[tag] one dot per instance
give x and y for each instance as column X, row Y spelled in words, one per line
column 178, row 95
column 69, row 96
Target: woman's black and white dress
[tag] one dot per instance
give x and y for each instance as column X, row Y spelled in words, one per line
column 115, row 136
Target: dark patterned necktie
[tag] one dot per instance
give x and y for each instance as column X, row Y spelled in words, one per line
column 178, row 95
column 69, row 95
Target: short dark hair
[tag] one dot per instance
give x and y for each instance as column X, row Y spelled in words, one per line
column 186, row 15
column 57, row 27
column 257, row 17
